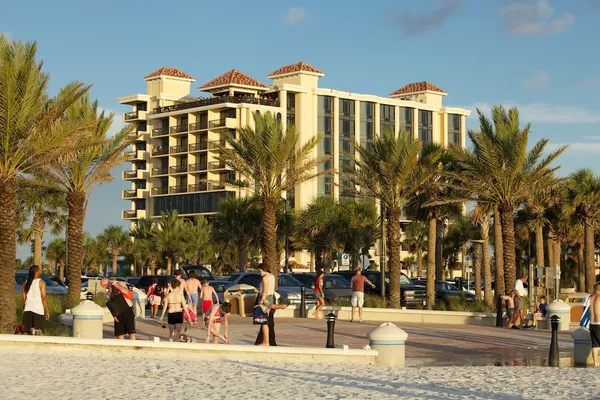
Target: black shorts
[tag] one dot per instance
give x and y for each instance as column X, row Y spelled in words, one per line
column 175, row 318
column 33, row 320
column 126, row 324
column 595, row 335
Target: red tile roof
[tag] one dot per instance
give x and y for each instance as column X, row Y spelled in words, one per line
column 288, row 69
column 233, row 77
column 417, row 87
column 166, row 71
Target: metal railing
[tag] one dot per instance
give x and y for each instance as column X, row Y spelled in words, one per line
column 160, row 151
column 216, row 144
column 197, row 187
column 215, row 186
column 131, row 115
column 178, row 189
column 178, row 169
column 198, row 126
column 216, row 165
column 198, row 167
column 217, row 100
column 160, row 132
column 199, row 146
column 128, row 194
column 179, row 149
column 217, row 123
column 160, row 171
column 129, row 213
column 160, row 190
column 130, row 174
column 179, row 129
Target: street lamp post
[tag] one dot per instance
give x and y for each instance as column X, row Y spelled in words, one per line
column 382, row 253
column 286, row 243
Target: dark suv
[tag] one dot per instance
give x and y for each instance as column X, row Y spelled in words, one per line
column 411, row 295
column 201, row 271
column 288, row 287
column 335, row 286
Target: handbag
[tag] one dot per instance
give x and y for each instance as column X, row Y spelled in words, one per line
column 117, row 305
column 259, row 317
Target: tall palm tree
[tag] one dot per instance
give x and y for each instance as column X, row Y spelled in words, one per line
column 169, row 237
column 269, row 159
column 582, row 203
column 416, row 233
column 114, row 239
column 498, row 252
column 78, row 171
column 359, row 227
column 144, row 236
column 29, row 137
column 94, row 253
column 393, row 170
column 481, row 217
column 40, row 208
column 500, row 170
column 197, row 246
column 237, row 225
column 56, row 253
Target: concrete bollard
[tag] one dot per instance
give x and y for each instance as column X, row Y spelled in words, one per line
column 561, row 310
column 87, row 320
column 139, row 303
column 389, row 341
column 582, row 347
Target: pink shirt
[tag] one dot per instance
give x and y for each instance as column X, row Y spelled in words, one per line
column 511, row 302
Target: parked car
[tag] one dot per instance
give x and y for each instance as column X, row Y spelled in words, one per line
column 85, row 289
column 51, row 286
column 57, row 280
column 411, row 294
column 288, row 287
column 335, row 286
column 146, row 281
column 201, row 271
column 444, row 291
column 220, row 287
column 132, row 281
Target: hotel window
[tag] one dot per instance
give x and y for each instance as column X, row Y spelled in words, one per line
column 347, row 141
column 406, row 119
column 425, row 126
column 454, row 129
column 388, row 117
column 325, row 146
column 367, row 124
column 291, row 109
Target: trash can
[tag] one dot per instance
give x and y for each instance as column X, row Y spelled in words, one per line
column 561, row 310
column 389, row 341
column 87, row 320
column 582, row 347
column 139, row 303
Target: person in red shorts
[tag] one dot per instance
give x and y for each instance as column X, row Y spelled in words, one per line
column 207, row 293
column 217, row 315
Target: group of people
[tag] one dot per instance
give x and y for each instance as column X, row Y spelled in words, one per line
column 514, row 306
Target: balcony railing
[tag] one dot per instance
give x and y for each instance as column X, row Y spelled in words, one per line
column 160, row 132
column 216, row 165
column 160, row 151
column 198, row 126
column 179, row 129
column 131, row 115
column 179, row 149
column 217, row 123
column 130, row 174
column 129, row 194
column 216, row 144
column 198, row 167
column 215, row 186
column 160, row 171
column 160, row 190
column 199, row 146
column 178, row 169
column 129, row 213
column 178, row 189
column 197, row 187
column 217, row 100
column 130, row 155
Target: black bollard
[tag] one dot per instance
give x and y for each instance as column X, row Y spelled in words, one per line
column 89, row 296
column 499, row 320
column 553, row 357
column 302, row 302
column 330, row 330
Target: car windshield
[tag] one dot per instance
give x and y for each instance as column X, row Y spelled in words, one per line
column 221, row 286
column 335, row 282
column 200, row 272
column 286, row 280
column 375, row 278
column 404, row 280
column 306, row 280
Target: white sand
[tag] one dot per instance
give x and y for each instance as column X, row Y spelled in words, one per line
column 69, row 373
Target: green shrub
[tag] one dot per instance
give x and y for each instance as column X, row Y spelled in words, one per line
column 100, row 299
column 51, row 327
column 375, row 301
column 457, row 304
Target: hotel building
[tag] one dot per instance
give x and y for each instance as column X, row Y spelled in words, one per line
column 175, row 151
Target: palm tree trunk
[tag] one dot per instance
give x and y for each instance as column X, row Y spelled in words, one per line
column 477, row 264
column 439, row 265
column 498, row 253
column 508, row 246
column 431, row 264
column 242, row 258
column 487, row 271
column 539, row 246
column 37, row 247
column 269, row 223
column 557, row 252
column 550, row 244
column 394, row 239
column 76, row 204
column 590, row 267
column 61, row 270
column 8, row 255
column 581, row 269
column 327, row 261
column 419, row 262
column 115, row 257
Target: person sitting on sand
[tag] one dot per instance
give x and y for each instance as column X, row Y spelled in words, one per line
column 217, row 315
column 207, row 293
column 175, row 303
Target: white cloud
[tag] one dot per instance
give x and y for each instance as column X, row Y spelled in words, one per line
column 526, row 19
column 293, row 16
column 540, row 80
column 576, row 148
column 117, row 124
column 543, row 113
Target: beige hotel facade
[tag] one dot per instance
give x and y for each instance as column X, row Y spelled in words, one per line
column 174, row 159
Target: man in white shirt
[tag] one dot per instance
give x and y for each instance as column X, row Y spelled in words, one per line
column 520, row 293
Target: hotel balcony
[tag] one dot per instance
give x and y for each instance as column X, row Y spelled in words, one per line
column 198, row 146
column 216, row 145
column 178, row 189
column 179, row 149
column 133, row 194
column 178, row 169
column 136, row 135
column 138, row 115
column 160, row 190
column 134, row 214
column 179, row 129
column 229, row 123
column 198, row 167
column 135, row 155
column 160, row 151
column 217, row 100
column 214, row 165
column 198, row 126
column 160, row 171
column 137, row 174
column 215, row 186
column 160, row 132
column 197, row 187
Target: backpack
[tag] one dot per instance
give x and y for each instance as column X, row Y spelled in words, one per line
column 158, row 290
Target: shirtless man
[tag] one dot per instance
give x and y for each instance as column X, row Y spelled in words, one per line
column 125, row 322
column 217, row 315
column 595, row 324
column 207, row 293
column 183, row 287
column 193, row 287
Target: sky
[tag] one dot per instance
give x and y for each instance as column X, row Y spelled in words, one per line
column 538, row 55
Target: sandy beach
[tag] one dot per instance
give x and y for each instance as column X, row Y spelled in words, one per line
column 70, row 373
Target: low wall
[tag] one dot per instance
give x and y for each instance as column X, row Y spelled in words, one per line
column 399, row 316
column 218, row 351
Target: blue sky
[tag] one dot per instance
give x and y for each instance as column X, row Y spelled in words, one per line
column 539, row 55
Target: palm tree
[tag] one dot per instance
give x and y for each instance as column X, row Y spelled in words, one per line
column 169, row 237
column 77, row 172
column 237, row 225
column 481, row 217
column 416, row 239
column 500, row 170
column 460, row 234
column 393, row 170
column 144, row 236
column 269, row 159
column 40, row 208
column 498, row 252
column 359, row 227
column 56, row 253
column 94, row 253
column 197, row 246
column 29, row 137
column 582, row 198
column 115, row 240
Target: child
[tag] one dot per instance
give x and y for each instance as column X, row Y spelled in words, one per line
column 510, row 307
column 540, row 312
column 216, row 315
column 207, row 293
column 154, row 297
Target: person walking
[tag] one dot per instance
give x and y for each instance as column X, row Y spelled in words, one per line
column 175, row 303
column 35, row 300
column 595, row 324
column 193, row 287
column 319, row 293
column 208, row 294
column 154, row 297
column 520, row 293
column 266, row 300
column 124, row 316
column 183, row 287
column 357, row 283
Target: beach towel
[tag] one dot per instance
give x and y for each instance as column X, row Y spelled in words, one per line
column 585, row 317
column 189, row 315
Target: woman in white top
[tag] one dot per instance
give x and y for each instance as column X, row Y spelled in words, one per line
column 36, row 308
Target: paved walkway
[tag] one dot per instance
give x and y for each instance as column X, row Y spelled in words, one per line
column 427, row 345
